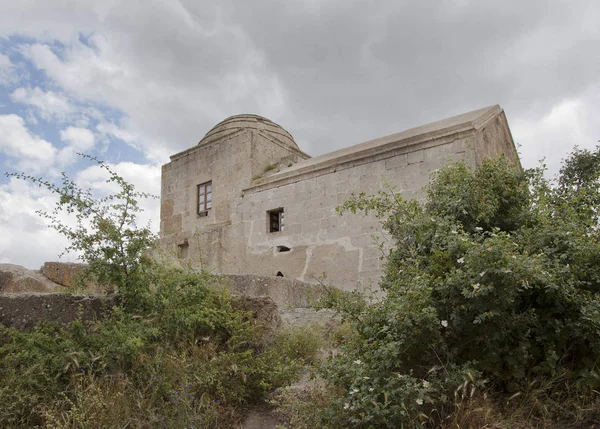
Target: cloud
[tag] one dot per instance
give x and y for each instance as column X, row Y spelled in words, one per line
column 32, row 153
column 169, row 98
column 26, row 237
column 551, row 136
column 7, row 74
column 77, row 140
column 145, row 178
column 50, row 105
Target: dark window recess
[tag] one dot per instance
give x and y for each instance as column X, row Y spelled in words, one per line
column 204, row 198
column 283, row 249
column 276, row 220
column 183, row 250
column 279, row 274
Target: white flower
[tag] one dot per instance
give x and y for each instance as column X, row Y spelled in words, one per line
column 454, row 231
column 371, row 389
column 353, row 391
column 346, row 406
column 358, row 361
column 460, row 260
column 366, row 378
column 425, row 383
column 476, row 286
column 444, row 323
column 478, row 228
column 420, row 401
column 481, row 274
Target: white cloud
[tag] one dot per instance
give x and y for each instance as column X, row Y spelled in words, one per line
column 50, row 105
column 554, row 134
column 78, row 140
column 32, row 153
column 26, row 237
column 112, row 130
column 169, row 98
column 145, row 178
column 7, row 74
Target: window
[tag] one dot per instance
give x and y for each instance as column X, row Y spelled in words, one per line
column 183, row 249
column 204, row 198
column 275, row 220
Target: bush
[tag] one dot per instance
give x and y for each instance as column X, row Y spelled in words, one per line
column 495, row 277
column 301, row 343
column 175, row 353
column 103, row 232
column 187, row 362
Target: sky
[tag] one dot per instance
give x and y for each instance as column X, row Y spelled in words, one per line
column 132, row 82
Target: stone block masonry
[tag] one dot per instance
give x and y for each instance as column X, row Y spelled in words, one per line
column 24, row 311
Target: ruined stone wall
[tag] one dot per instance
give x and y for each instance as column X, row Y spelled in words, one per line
column 265, row 296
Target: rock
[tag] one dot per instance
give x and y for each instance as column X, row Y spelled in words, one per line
column 23, row 311
column 263, row 313
column 17, row 279
column 67, row 274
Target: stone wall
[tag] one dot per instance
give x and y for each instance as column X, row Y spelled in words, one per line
column 286, row 293
column 25, row 310
column 264, row 296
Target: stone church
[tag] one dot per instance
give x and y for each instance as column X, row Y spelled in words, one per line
column 247, row 199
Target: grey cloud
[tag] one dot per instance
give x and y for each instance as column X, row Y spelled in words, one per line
column 336, row 73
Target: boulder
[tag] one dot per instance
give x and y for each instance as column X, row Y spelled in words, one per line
column 17, row 279
column 263, row 313
column 67, row 274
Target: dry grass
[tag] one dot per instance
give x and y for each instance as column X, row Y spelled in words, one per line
column 551, row 404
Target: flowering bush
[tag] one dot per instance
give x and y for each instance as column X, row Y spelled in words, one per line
column 496, row 276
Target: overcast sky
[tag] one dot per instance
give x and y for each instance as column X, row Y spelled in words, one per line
column 135, row 81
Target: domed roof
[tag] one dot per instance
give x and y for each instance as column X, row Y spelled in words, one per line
column 236, row 123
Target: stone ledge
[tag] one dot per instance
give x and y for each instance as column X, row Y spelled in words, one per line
column 286, row 292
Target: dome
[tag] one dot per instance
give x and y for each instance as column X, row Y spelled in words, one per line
column 237, row 123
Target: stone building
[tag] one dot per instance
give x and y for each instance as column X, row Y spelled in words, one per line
column 247, row 199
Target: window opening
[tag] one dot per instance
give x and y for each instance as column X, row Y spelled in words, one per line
column 183, row 250
column 283, row 249
column 204, row 198
column 279, row 274
column 276, row 220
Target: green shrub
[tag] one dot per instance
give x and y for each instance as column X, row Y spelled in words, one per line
column 495, row 277
column 270, row 167
column 103, row 232
column 186, row 361
column 175, row 353
column 301, row 343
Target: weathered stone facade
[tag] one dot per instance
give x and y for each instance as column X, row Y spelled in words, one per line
column 254, row 167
